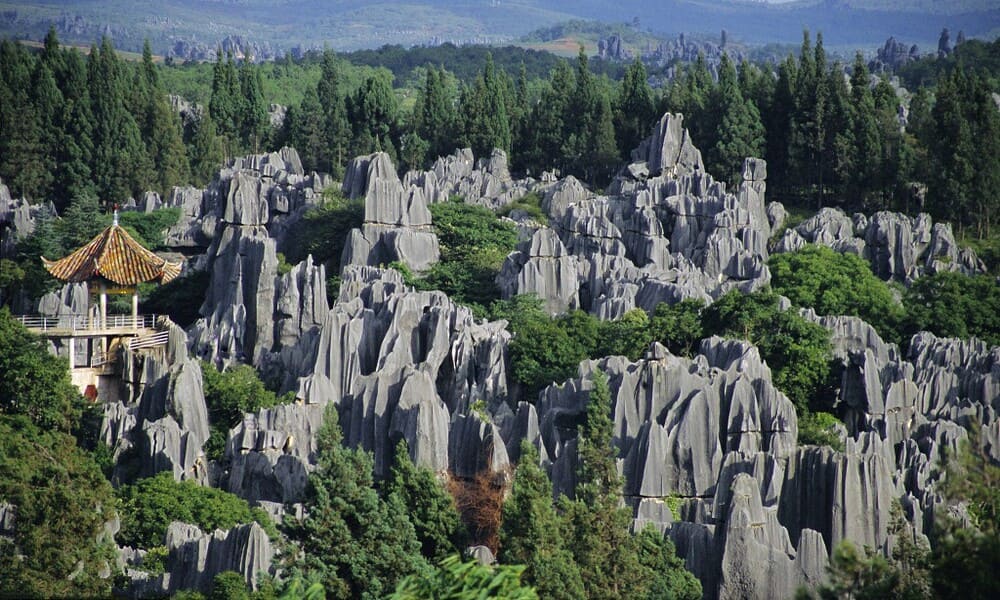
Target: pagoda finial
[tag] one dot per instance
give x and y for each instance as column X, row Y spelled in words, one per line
column 115, row 221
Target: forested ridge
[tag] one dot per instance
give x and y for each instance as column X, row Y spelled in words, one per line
column 85, row 133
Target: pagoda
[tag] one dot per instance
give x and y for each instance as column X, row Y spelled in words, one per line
column 111, row 263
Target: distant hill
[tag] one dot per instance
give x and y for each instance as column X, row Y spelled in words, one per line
column 265, row 28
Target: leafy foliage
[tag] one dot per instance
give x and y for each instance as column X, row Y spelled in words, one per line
column 33, row 383
column 429, row 507
column 356, row 543
column 530, row 533
column 323, row 231
column 820, row 428
column 955, row 305
column 228, row 395
column 474, row 244
column 465, row 581
column 797, row 351
column 179, row 299
column 62, row 503
column 678, row 326
column 835, row 283
column 151, row 504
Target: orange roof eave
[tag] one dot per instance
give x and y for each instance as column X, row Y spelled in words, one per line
column 114, row 255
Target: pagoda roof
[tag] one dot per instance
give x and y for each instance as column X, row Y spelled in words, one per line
column 115, row 256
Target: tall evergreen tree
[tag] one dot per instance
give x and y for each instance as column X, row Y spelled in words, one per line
column 530, row 533
column 429, row 507
column 434, row 121
column 206, row 153
column 336, row 129
column 305, row 132
column 121, row 164
column 225, row 106
column 73, row 177
column 358, row 545
column 484, row 112
column 863, row 165
column 253, row 109
column 544, row 148
column 374, row 115
column 778, row 123
column 635, row 111
column 740, row 132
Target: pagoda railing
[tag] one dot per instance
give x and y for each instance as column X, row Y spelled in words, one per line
column 84, row 323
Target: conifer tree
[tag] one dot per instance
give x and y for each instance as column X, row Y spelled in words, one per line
column 225, row 104
column 206, row 153
column 374, row 113
column 602, row 157
column 636, row 111
column 305, row 132
column 429, row 507
column 336, row 129
column 434, row 120
column 358, row 545
column 484, row 111
column 253, row 109
column 121, row 165
column 862, row 166
column 73, row 177
column 530, row 533
column 740, row 132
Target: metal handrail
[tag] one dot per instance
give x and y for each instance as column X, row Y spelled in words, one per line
column 148, row 341
column 86, row 322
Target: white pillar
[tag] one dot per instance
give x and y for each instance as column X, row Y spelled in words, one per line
column 135, row 308
column 72, row 353
column 104, row 305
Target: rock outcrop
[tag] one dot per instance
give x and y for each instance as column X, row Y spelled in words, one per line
column 397, row 225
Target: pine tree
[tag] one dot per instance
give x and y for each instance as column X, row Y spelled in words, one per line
column 305, row 132
column 779, row 123
column 374, row 113
column 225, row 106
column 429, row 507
column 356, row 543
column 863, row 166
column 434, row 120
column 602, row 148
column 253, row 109
column 73, row 177
column 336, row 129
column 544, row 150
column 206, row 153
column 740, row 132
column 635, row 112
column 121, row 165
column 530, row 533
column 484, row 112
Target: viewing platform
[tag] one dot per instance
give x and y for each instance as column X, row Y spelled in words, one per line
column 67, row 326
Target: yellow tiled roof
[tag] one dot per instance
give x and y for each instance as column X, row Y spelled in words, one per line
column 115, row 256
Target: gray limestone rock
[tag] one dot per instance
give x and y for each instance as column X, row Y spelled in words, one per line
column 195, row 557
column 542, row 267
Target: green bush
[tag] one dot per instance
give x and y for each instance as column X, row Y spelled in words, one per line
column 530, row 203
column 229, row 395
column 151, row 504
column 819, row 428
column 955, row 305
column 834, row 283
column 179, row 299
column 323, row 230
column 678, row 326
column 474, row 244
column 797, row 351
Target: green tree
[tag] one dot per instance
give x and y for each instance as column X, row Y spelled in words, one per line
column 669, row 577
column 336, row 129
column 33, row 382
column 62, row 502
column 468, row 580
column 121, row 165
column 434, row 121
column 358, row 544
column 486, row 124
column 253, row 110
column 628, row 336
column 635, row 111
column 206, row 151
column 797, row 351
column 151, row 504
column 678, row 326
column 374, row 113
column 229, row 585
column 835, row 283
column 530, row 532
column 225, row 107
column 740, row 132
column 429, row 507
column 864, row 164
column 954, row 305
column 305, row 132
